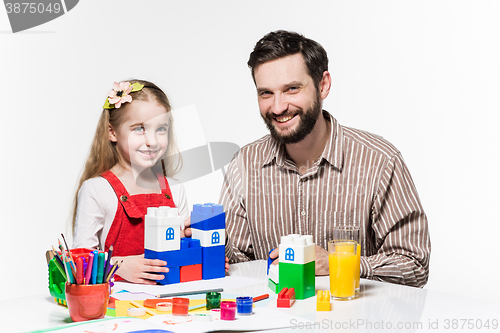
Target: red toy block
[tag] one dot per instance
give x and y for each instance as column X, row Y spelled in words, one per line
column 286, row 298
column 191, row 273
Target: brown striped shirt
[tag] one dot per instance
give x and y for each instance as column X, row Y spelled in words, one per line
column 360, row 179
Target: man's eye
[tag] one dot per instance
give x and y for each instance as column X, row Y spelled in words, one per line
column 265, row 93
column 292, row 89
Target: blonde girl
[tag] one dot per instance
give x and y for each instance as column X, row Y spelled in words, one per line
column 132, row 154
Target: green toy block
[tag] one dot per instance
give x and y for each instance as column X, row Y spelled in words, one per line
column 301, row 277
column 273, row 286
column 57, row 283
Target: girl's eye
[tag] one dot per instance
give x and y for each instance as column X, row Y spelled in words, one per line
column 162, row 129
column 139, row 129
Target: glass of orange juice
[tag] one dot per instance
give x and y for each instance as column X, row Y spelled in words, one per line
column 350, row 233
column 342, row 259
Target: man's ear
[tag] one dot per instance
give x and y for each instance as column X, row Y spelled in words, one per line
column 112, row 134
column 325, row 85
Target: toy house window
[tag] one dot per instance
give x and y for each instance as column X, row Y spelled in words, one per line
column 215, row 238
column 289, row 254
column 170, row 233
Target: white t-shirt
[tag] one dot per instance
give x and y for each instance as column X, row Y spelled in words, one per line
column 97, row 205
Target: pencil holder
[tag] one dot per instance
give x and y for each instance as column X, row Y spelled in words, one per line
column 86, row 302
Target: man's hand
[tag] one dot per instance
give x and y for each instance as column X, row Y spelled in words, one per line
column 136, row 269
column 274, row 255
column 321, row 261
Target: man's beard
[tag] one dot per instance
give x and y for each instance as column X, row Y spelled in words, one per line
column 306, row 124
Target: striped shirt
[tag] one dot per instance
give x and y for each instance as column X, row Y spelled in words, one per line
column 360, row 179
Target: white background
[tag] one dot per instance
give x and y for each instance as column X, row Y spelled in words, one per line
column 423, row 74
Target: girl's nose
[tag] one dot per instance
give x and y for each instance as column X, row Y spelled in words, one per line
column 150, row 139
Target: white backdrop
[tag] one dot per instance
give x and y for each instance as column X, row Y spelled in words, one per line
column 423, row 74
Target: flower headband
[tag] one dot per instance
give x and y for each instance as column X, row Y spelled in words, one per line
column 121, row 94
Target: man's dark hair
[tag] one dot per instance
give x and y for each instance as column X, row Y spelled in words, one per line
column 281, row 43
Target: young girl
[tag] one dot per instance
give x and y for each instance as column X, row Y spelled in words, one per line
column 132, row 153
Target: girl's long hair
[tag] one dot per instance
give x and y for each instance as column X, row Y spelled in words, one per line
column 103, row 154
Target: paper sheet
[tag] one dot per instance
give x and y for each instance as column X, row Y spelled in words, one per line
column 227, row 283
column 261, row 319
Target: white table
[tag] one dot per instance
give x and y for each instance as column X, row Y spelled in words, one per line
column 380, row 307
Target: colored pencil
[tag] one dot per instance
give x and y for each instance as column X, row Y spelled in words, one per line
column 260, row 298
column 67, row 248
column 63, row 251
column 194, row 292
column 100, row 268
column 60, row 268
column 79, row 270
column 54, row 252
column 70, row 271
column 106, row 267
column 112, row 270
column 94, row 266
column 88, row 274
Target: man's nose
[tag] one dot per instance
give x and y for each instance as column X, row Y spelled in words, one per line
column 280, row 104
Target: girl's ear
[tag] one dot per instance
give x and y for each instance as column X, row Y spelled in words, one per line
column 112, row 134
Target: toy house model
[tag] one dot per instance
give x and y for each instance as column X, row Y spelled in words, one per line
column 200, row 257
column 296, row 268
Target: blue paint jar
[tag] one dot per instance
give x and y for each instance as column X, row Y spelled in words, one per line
column 244, row 305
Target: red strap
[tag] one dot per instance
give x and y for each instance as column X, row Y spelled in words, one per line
column 122, row 194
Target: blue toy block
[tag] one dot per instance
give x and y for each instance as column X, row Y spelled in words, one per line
column 214, row 261
column 208, row 217
column 269, row 261
column 173, row 276
column 189, row 254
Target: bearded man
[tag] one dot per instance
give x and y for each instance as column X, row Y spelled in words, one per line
column 310, row 174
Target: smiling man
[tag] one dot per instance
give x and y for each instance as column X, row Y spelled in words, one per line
column 312, row 174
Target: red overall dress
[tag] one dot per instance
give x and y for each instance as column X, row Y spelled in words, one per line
column 127, row 230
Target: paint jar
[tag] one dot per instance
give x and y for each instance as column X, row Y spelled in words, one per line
column 87, row 301
column 228, row 310
column 244, row 305
column 213, row 300
column 215, row 314
column 180, row 306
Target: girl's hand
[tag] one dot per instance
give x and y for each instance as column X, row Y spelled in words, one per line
column 136, row 269
column 187, row 227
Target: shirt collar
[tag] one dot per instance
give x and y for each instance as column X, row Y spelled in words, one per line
column 332, row 153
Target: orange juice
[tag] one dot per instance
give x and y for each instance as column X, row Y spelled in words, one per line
column 345, row 246
column 358, row 266
column 342, row 265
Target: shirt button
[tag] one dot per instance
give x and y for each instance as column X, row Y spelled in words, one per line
column 303, row 213
column 124, row 198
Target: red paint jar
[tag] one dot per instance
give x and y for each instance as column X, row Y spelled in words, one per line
column 180, row 306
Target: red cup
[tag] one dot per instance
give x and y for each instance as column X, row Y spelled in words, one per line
column 86, row 302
